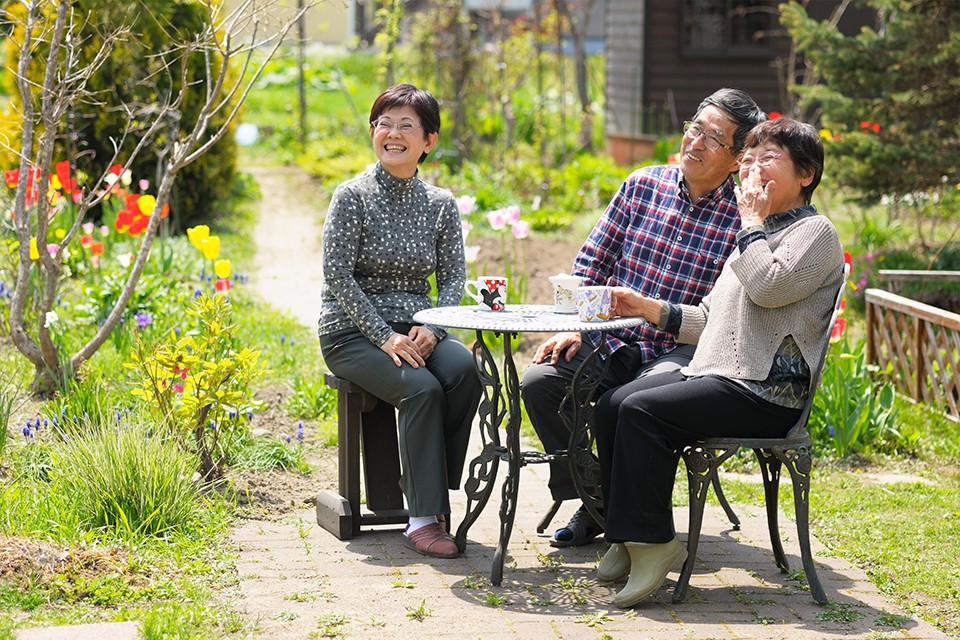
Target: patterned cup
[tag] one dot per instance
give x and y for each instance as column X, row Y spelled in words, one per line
column 490, row 292
column 593, row 303
column 564, row 292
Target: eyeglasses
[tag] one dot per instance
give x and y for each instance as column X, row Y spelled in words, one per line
column 764, row 160
column 711, row 142
column 401, row 127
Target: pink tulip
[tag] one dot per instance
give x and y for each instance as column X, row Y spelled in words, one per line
column 497, row 219
column 521, row 229
column 466, row 204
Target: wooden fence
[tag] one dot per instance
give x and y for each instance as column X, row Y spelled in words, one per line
column 917, row 346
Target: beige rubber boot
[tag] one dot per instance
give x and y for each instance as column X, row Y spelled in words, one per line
column 649, row 566
column 615, row 563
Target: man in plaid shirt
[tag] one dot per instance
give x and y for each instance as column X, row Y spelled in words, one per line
column 666, row 234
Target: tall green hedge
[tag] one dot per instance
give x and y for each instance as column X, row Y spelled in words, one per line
column 135, row 74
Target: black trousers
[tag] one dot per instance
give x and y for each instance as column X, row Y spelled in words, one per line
column 544, row 386
column 436, row 407
column 643, row 425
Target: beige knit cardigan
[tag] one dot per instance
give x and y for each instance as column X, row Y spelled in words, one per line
column 785, row 285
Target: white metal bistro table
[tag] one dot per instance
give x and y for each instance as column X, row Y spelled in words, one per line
column 501, row 406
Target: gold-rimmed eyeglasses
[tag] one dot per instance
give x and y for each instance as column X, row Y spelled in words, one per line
column 710, row 141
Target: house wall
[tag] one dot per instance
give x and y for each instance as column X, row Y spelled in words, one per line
column 682, row 79
column 329, row 22
column 623, row 24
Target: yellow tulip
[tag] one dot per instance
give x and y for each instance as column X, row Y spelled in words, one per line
column 210, row 247
column 60, row 233
column 198, row 234
column 146, row 204
column 34, row 252
column 222, row 268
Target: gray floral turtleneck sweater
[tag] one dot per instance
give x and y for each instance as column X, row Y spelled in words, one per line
column 382, row 240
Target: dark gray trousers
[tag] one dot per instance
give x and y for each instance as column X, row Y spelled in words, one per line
column 642, row 426
column 544, row 386
column 435, row 405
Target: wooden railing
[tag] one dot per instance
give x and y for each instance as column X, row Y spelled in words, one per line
column 896, row 277
column 917, row 346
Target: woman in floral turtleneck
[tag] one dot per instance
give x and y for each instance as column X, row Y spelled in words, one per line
column 385, row 234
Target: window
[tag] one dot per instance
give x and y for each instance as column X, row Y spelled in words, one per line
column 728, row 27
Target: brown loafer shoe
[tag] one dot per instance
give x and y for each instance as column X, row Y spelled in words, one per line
column 432, row 541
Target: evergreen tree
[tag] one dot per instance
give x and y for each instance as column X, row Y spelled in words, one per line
column 889, row 101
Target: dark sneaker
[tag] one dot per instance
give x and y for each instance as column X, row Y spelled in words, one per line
column 580, row 530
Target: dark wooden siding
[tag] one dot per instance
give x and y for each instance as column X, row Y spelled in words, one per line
column 682, row 80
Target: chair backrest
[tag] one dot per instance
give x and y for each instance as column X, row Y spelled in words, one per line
column 817, row 372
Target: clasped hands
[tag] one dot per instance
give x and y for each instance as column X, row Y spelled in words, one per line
column 413, row 348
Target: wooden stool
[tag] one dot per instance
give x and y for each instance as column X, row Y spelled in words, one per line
column 362, row 417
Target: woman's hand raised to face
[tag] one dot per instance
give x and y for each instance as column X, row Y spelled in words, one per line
column 402, row 349
column 754, row 197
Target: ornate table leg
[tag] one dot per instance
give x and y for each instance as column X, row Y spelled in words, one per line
column 584, row 466
column 483, row 468
column 511, row 484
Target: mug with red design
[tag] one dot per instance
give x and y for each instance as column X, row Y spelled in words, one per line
column 490, row 292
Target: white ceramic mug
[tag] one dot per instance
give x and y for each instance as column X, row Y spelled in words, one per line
column 593, row 303
column 490, row 292
column 564, row 292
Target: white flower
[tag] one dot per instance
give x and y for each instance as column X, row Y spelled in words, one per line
column 50, row 319
column 470, row 253
column 125, row 259
column 126, row 178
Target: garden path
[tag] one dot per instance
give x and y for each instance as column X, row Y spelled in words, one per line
column 287, row 262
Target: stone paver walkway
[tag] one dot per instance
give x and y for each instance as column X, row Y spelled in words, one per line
column 375, row 587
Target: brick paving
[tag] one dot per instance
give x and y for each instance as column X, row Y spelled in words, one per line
column 374, row 587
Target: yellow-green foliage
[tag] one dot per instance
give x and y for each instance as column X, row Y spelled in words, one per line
column 200, row 384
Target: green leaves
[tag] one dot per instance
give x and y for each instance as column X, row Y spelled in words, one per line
column 852, row 412
column 200, row 384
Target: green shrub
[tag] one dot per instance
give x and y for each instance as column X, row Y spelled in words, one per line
column 127, row 480
column 200, row 385
column 852, row 413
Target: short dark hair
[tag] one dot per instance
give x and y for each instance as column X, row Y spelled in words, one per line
column 740, row 107
column 407, row 95
column 800, row 140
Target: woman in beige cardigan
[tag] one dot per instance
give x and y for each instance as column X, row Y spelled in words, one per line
column 758, row 334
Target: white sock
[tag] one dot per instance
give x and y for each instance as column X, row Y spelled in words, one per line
column 418, row 522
